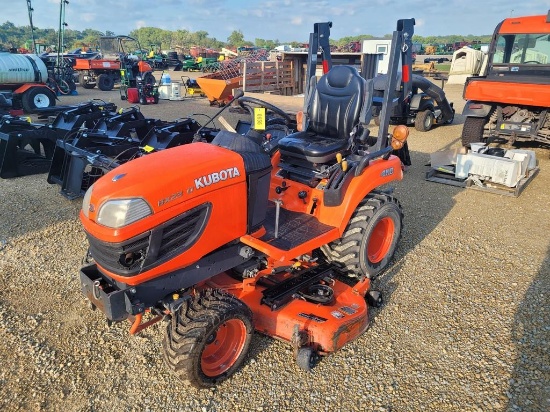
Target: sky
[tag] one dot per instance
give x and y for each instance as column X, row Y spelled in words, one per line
column 283, row 20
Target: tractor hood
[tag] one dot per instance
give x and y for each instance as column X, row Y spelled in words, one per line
column 165, row 210
column 163, row 180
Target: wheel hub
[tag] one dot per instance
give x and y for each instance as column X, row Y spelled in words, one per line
column 223, row 347
column 380, row 240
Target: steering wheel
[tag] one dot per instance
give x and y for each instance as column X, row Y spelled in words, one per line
column 257, row 102
column 532, row 61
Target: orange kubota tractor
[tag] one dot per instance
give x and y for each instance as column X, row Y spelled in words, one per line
column 282, row 235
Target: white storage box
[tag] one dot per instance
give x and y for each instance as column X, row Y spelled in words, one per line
column 175, row 93
column 532, row 156
column 496, row 169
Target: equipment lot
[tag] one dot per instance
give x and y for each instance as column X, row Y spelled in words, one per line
column 465, row 325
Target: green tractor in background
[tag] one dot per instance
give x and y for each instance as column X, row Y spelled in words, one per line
column 156, row 58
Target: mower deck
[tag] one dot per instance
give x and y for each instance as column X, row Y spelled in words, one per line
column 311, row 308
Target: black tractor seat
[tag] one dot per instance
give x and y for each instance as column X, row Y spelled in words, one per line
column 312, row 147
column 336, row 105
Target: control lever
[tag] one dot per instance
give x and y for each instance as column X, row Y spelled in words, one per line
column 278, row 203
column 282, row 188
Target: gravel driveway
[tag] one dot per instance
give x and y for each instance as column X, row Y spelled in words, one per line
column 465, row 324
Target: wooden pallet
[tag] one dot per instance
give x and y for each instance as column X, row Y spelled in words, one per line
column 267, row 76
column 434, row 175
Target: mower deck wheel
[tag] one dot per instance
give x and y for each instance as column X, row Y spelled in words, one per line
column 208, row 337
column 374, row 298
column 305, row 358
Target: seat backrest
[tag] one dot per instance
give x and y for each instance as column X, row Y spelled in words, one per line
column 336, row 103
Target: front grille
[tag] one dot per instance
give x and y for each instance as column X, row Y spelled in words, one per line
column 109, row 255
column 177, row 235
column 153, row 247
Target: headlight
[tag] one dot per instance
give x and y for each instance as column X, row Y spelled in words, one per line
column 122, row 212
column 86, row 201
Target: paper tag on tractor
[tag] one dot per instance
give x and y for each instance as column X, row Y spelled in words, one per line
column 259, row 118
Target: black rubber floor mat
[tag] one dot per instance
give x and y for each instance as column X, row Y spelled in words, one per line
column 294, row 228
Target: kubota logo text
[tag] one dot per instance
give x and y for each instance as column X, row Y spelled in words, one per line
column 216, row 177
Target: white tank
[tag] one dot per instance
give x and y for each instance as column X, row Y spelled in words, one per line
column 22, row 68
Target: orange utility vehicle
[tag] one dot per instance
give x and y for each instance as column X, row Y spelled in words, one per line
column 118, row 64
column 282, row 235
column 512, row 101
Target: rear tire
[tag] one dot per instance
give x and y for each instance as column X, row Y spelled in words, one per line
column 208, row 337
column 424, row 121
column 105, row 82
column 472, row 132
column 371, row 236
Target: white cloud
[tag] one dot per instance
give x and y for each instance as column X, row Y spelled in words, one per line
column 285, row 20
column 88, row 17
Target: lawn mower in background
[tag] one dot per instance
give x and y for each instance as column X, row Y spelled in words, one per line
column 280, row 234
column 160, row 61
column 418, row 101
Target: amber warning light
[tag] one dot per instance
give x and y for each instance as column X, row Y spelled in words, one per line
column 399, row 136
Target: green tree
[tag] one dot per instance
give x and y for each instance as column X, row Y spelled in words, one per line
column 236, row 39
column 201, row 37
column 266, row 44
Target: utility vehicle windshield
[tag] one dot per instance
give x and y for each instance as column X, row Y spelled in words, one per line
column 118, row 45
column 522, row 49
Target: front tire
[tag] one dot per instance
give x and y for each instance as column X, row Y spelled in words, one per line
column 424, row 121
column 105, row 82
column 371, row 236
column 472, row 131
column 83, row 83
column 207, row 339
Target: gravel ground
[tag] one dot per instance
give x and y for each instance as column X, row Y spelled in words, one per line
column 465, row 324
